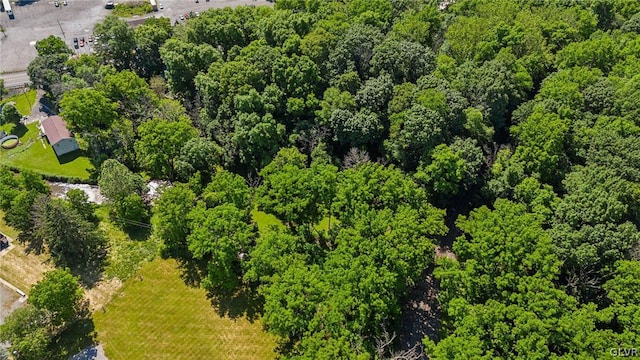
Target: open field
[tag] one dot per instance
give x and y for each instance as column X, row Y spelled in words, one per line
column 157, row 316
column 37, row 155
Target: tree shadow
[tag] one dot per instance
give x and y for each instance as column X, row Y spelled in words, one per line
column 46, row 106
column 25, row 2
column 240, row 302
column 137, row 233
column 190, row 271
column 89, row 275
column 75, row 339
column 244, row 302
column 18, row 130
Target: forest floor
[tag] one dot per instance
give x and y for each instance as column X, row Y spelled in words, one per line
column 421, row 315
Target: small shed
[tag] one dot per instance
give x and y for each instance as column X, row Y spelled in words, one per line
column 55, row 129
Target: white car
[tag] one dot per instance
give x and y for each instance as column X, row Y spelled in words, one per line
column 161, row 6
column 181, row 17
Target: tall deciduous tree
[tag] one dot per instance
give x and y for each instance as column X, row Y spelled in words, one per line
column 117, row 42
column 160, row 144
column 170, row 219
column 88, row 110
column 59, row 293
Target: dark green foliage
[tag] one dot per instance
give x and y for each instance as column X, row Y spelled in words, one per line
column 10, row 115
column 73, row 241
column 520, row 118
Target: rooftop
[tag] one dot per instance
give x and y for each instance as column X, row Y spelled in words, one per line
column 55, row 128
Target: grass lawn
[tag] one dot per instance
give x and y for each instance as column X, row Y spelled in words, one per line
column 129, row 9
column 24, row 101
column 37, row 155
column 264, row 220
column 157, row 316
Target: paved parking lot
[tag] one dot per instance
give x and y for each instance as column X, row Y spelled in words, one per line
column 36, row 20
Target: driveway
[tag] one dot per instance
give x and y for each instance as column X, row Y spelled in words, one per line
column 95, row 352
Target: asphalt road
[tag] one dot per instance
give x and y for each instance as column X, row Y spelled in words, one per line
column 36, row 20
column 15, row 80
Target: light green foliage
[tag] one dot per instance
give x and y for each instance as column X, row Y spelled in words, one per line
column 476, row 126
column 116, row 181
column 444, row 172
column 221, row 236
column 600, row 52
column 130, row 92
column 542, row 142
column 117, row 42
column 503, row 275
column 294, row 193
column 160, row 144
column 52, row 45
column 184, row 61
column 79, row 202
column 130, row 211
column 59, row 294
column 26, row 330
column 226, row 187
column 622, row 290
column 170, row 222
column 418, row 26
column 87, row 110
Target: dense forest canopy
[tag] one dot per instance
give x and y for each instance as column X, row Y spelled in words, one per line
column 375, row 130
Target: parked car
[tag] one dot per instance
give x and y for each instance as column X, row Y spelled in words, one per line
column 90, row 38
column 181, row 17
column 65, row 3
column 82, row 41
column 75, row 42
column 161, row 6
column 109, row 5
column 56, row 4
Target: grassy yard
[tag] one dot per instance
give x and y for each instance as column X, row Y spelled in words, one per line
column 24, row 101
column 157, row 316
column 37, row 155
column 129, row 9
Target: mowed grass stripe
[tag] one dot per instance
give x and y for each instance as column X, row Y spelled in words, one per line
column 159, row 317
